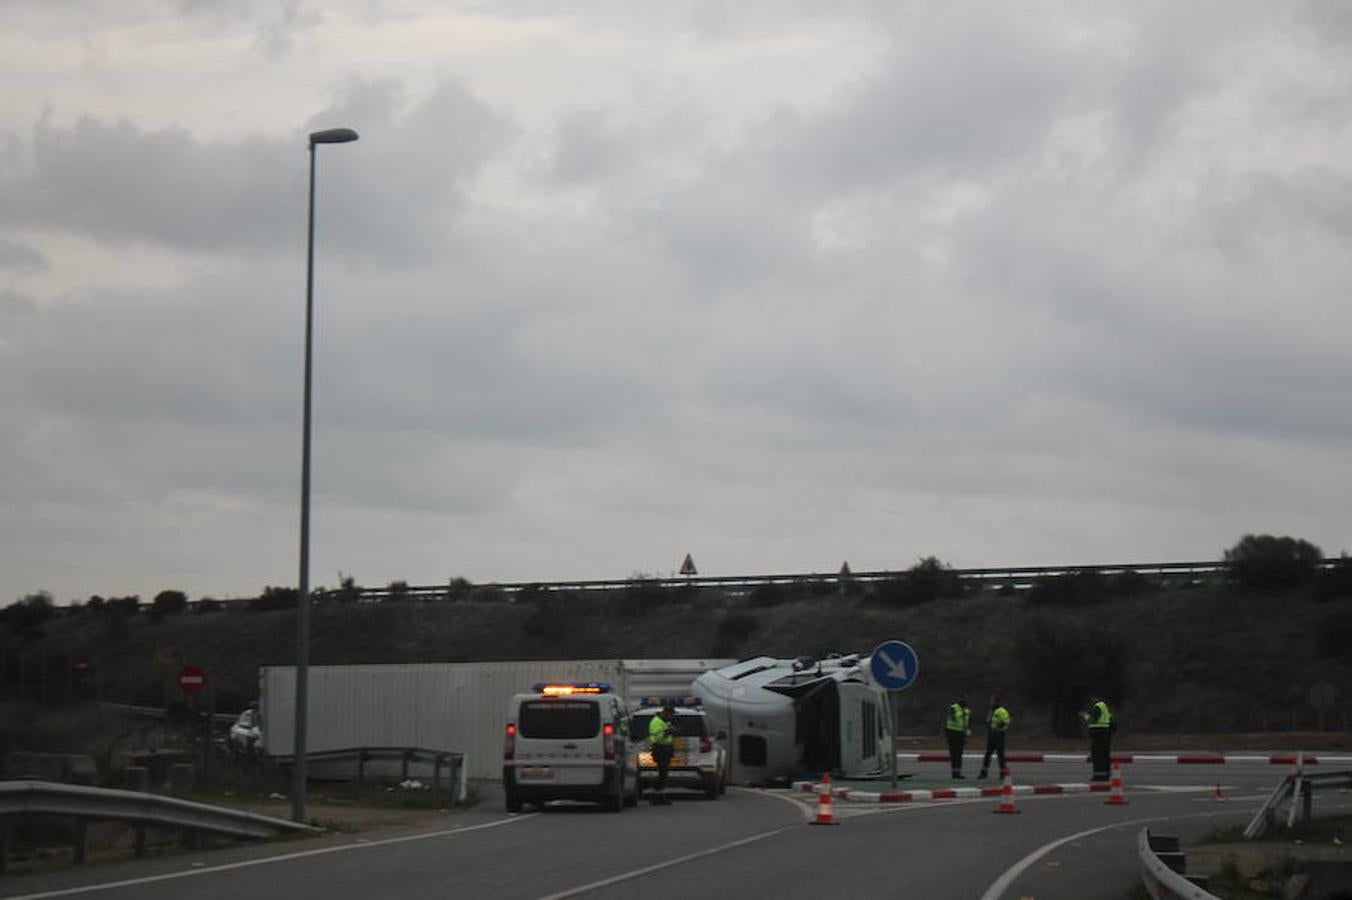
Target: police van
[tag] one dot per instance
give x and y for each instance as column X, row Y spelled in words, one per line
column 569, row 742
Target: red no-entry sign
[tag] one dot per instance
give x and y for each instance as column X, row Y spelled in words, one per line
column 191, row 679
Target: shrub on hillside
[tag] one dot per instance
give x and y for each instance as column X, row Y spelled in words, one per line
column 926, row 581
column 274, row 598
column 168, row 603
column 29, row 613
column 459, row 589
column 736, row 627
column 763, row 595
column 1062, row 663
column 1075, row 588
column 1264, row 562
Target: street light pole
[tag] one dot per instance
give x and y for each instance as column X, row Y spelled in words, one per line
column 299, row 767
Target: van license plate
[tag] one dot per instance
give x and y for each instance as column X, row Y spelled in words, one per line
column 530, row 772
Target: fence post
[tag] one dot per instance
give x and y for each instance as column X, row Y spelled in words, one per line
column 81, row 841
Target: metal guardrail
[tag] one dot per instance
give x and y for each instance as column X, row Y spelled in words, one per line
column 453, row 761
column 1018, row 578
column 1298, row 789
column 1164, row 869
column 86, row 804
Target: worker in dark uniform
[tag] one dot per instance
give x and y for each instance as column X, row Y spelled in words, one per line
column 662, row 747
column 957, row 727
column 1099, row 720
column 997, row 724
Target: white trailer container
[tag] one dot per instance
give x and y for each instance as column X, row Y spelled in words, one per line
column 441, row 706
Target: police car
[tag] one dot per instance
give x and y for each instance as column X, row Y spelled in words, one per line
column 699, row 756
column 569, row 742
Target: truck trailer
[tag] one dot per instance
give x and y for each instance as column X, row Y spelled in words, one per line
column 460, row 707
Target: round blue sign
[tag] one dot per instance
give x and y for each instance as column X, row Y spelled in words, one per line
column 894, row 665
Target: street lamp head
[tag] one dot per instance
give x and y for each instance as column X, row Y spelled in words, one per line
column 333, row 136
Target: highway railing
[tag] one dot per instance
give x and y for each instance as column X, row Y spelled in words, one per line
column 1017, row 578
column 1164, row 869
column 360, row 762
column 91, row 804
column 1297, row 791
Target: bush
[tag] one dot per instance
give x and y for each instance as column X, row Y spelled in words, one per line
column 926, row 581
column 459, row 589
column 1264, row 562
column 736, row 627
column 763, row 595
column 1076, row 587
column 274, row 598
column 1061, row 663
column 169, row 603
column 28, row 613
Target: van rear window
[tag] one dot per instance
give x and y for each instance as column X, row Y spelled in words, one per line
column 559, row 719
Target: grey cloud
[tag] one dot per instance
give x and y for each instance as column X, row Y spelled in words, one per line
column 388, row 199
column 22, row 258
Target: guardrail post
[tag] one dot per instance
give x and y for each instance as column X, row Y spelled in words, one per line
column 361, row 766
column 4, row 845
column 180, row 779
column 436, row 772
column 81, row 841
column 137, row 778
column 140, row 839
column 403, row 767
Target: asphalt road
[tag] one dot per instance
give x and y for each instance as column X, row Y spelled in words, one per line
column 749, row 843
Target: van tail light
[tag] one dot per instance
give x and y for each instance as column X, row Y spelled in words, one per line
column 706, row 744
column 609, row 731
column 509, row 744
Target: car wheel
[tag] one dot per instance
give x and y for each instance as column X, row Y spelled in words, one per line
column 513, row 803
column 615, row 802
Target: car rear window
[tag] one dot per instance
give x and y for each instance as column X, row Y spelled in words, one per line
column 681, row 726
column 560, row 719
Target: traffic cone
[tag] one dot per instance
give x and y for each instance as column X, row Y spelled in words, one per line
column 1218, row 795
column 824, row 814
column 1116, row 797
column 1007, row 795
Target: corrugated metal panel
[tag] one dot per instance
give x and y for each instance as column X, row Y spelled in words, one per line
column 438, row 706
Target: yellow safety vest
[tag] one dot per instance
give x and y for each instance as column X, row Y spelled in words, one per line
column 959, row 719
column 998, row 720
column 1105, row 716
column 659, row 732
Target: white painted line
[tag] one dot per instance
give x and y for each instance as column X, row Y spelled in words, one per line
column 150, row 879
column 657, row 867
column 1001, row 884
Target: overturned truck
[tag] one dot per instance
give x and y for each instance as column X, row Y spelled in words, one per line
column 787, row 715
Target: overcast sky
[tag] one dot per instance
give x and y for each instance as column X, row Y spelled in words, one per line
column 777, row 284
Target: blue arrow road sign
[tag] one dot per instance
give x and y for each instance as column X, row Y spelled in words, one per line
column 894, row 665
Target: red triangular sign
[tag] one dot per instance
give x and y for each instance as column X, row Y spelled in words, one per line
column 688, row 567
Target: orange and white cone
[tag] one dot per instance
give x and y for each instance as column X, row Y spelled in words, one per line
column 824, row 814
column 1007, row 796
column 1115, row 796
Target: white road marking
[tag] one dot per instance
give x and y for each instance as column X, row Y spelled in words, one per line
column 1001, row 884
column 657, row 867
column 362, row 845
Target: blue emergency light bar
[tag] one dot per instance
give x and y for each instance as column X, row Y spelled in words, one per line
column 669, row 701
column 554, row 689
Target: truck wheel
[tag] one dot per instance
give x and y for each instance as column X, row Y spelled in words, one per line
column 513, row 802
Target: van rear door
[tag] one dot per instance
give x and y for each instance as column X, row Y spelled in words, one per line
column 558, row 741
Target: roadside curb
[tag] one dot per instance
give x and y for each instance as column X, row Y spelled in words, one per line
column 852, row 795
